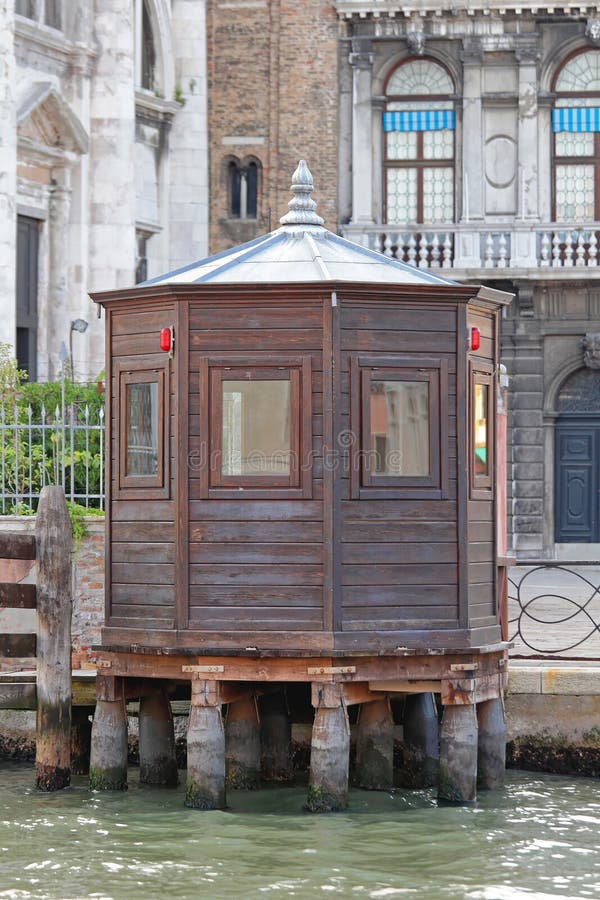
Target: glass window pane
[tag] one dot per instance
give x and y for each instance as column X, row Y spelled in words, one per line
column 402, row 195
column 480, row 426
column 438, row 144
column 399, row 416
column 438, row 195
column 52, row 10
column 25, row 8
column 256, row 427
column 420, row 76
column 402, row 144
column 574, row 143
column 142, row 429
column 574, row 193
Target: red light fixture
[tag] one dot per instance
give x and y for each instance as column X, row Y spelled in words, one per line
column 167, row 339
column 475, row 338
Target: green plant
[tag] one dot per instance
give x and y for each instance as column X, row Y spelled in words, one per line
column 178, row 95
column 78, row 515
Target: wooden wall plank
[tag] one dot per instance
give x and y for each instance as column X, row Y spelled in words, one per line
column 17, row 546
column 15, row 645
column 256, row 574
column 255, row 510
column 256, row 595
column 257, row 532
column 422, row 553
column 399, row 318
column 144, row 594
column 269, row 554
column 138, row 552
column 140, row 573
column 18, row 596
column 399, row 574
column 17, row 695
column 399, row 595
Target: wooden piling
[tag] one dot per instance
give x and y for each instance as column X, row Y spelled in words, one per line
column 108, row 755
column 54, row 608
column 375, row 746
column 457, row 780
column 329, row 750
column 242, row 743
column 421, row 740
column 205, row 787
column 275, row 737
column 158, row 763
column 491, row 754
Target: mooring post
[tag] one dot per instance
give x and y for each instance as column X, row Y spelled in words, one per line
column 491, row 756
column 81, row 738
column 158, row 763
column 108, row 754
column 457, row 780
column 421, row 739
column 275, row 737
column 205, row 787
column 54, row 608
column 329, row 750
column 242, row 744
column 375, row 746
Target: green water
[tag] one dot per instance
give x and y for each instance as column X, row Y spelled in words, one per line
column 538, row 838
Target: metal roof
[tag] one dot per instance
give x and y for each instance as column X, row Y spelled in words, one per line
column 302, row 250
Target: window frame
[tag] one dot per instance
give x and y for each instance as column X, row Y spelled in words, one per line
column 239, row 196
column 363, row 483
column 149, row 487
column 593, row 160
column 419, row 162
column 296, row 485
column 481, row 487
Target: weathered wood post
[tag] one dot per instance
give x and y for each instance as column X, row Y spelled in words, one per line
column 54, row 608
column 329, row 750
column 422, row 740
column 491, row 755
column 375, row 746
column 205, row 788
column 158, row 763
column 108, row 756
column 457, row 781
column 242, row 743
column 275, row 737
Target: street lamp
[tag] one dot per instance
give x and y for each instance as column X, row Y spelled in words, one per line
column 79, row 325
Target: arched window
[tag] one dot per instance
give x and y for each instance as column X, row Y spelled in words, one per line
column 419, row 144
column 242, row 189
column 576, row 128
column 148, row 51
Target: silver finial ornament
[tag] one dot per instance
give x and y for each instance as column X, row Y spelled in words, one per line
column 302, row 207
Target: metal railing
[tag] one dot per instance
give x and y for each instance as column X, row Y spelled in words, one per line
column 64, row 446
column 554, row 609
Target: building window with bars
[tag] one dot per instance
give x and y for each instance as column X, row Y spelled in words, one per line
column 418, row 125
column 576, row 138
column 242, row 189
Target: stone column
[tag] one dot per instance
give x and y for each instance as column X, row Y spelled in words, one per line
column 491, row 755
column 467, row 253
column 8, row 175
column 205, row 787
column 111, row 159
column 158, row 764
column 188, row 140
column 275, row 737
column 329, row 750
column 361, row 60
column 458, row 755
column 57, row 312
column 375, row 746
column 242, row 742
column 524, row 251
column 421, row 740
column 108, row 755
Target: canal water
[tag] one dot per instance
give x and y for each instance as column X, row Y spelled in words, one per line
column 538, row 838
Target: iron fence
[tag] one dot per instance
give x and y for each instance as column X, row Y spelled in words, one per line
column 63, row 446
column 554, row 609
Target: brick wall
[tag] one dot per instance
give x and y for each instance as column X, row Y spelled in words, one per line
column 88, row 592
column 272, row 96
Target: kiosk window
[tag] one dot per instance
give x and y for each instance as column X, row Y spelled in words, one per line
column 142, row 429
column 399, row 423
column 142, row 433
column 481, row 436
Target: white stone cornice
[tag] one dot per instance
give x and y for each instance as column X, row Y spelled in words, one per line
column 53, row 43
column 156, row 107
column 348, row 9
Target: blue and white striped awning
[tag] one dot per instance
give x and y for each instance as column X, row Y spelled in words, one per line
column 577, row 118
column 419, row 120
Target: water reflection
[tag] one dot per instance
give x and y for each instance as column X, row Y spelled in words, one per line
column 536, row 839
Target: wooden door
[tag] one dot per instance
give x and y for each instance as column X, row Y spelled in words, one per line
column 577, row 483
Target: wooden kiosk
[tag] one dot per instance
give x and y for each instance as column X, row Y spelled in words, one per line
column 301, row 488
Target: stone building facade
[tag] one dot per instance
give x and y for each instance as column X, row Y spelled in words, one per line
column 103, row 162
column 272, row 99
column 470, row 144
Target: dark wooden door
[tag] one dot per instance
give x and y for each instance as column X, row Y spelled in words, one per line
column 577, row 486
column 28, row 231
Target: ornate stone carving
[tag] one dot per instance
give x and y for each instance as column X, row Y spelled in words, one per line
column 361, row 56
column 592, row 31
column 591, row 350
column 416, row 42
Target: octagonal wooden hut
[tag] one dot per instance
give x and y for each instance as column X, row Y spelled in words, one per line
column 301, row 466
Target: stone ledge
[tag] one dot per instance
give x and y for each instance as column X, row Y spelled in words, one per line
column 572, row 680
